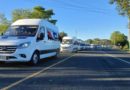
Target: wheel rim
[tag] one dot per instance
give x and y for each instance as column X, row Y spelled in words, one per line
column 35, row 58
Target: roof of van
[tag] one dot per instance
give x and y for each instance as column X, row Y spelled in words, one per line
column 34, row 22
column 27, row 22
column 67, row 37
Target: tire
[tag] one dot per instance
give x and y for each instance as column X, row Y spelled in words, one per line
column 35, row 58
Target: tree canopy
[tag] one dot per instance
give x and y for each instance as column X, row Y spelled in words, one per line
column 36, row 12
column 4, row 23
column 98, row 41
column 118, row 39
column 123, row 6
column 62, row 34
column 20, row 14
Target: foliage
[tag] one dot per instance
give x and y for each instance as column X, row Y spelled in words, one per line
column 20, row 14
column 89, row 41
column 123, row 6
column 126, row 47
column 118, row 39
column 61, row 35
column 37, row 12
column 4, row 23
column 98, row 41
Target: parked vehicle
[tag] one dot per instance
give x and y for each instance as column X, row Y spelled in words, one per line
column 29, row 40
column 69, row 44
column 79, row 44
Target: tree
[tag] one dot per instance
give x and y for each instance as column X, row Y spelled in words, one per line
column 4, row 23
column 53, row 21
column 40, row 12
column 21, row 14
column 37, row 12
column 97, row 41
column 3, row 19
column 89, row 41
column 105, row 42
column 61, row 35
column 118, row 39
column 123, row 6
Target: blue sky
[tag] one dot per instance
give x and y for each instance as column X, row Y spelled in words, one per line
column 89, row 18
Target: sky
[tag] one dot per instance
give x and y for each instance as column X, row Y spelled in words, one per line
column 84, row 19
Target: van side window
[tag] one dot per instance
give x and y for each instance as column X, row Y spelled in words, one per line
column 49, row 34
column 52, row 35
column 42, row 29
column 41, row 32
column 56, row 36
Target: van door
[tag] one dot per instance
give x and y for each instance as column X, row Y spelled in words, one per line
column 51, row 43
column 42, row 43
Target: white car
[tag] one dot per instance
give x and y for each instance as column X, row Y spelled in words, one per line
column 29, row 40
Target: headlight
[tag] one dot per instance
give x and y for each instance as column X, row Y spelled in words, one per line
column 24, row 45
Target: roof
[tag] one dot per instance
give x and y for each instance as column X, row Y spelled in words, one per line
column 35, row 22
column 67, row 37
column 27, row 22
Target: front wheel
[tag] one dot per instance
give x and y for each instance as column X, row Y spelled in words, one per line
column 35, row 58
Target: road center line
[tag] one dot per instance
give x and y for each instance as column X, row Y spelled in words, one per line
column 110, row 55
column 34, row 74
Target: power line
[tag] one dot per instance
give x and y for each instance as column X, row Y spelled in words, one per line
column 103, row 11
column 70, row 6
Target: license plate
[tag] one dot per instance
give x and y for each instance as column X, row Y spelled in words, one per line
column 3, row 58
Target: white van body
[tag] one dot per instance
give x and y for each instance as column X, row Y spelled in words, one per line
column 16, row 46
column 69, row 44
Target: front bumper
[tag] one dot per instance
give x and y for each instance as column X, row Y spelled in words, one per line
column 20, row 55
column 66, row 50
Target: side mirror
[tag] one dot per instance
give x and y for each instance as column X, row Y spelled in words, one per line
column 40, row 36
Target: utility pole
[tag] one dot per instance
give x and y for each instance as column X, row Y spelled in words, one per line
column 76, row 33
column 129, row 31
column 114, row 40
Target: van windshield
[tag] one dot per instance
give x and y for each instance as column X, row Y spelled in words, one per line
column 67, row 42
column 21, row 30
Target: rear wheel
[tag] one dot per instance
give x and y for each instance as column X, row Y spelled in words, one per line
column 35, row 58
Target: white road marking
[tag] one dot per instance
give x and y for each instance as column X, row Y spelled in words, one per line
column 110, row 79
column 110, row 55
column 34, row 74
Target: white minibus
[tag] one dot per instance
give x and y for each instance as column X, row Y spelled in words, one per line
column 69, row 44
column 29, row 40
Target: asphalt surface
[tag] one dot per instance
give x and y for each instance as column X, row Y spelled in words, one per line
column 85, row 70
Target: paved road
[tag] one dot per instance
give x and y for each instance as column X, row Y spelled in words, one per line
column 86, row 70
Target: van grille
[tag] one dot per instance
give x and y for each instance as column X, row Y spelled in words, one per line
column 7, row 49
column 65, row 47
